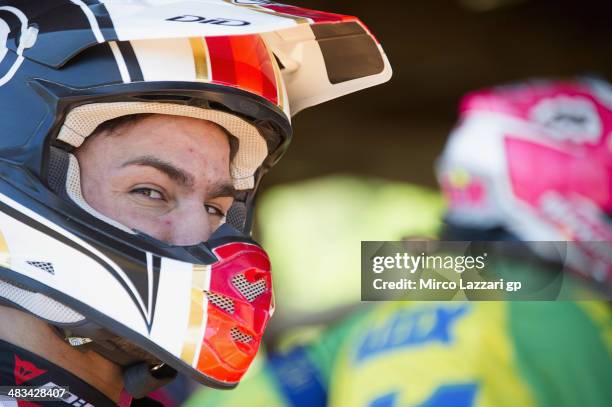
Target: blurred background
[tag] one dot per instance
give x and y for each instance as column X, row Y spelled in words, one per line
column 362, row 167
column 439, row 50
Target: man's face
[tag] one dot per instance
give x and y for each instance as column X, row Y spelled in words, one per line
column 166, row 176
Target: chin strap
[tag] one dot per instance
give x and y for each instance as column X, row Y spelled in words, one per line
column 139, row 379
column 142, row 373
column 142, row 378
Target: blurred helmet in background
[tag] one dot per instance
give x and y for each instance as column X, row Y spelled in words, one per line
column 533, row 162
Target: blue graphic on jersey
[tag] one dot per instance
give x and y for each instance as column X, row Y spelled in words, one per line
column 461, row 395
column 388, row 400
column 408, row 328
column 453, row 396
column 298, row 378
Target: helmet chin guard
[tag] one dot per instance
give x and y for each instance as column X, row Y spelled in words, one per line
column 65, row 67
column 201, row 309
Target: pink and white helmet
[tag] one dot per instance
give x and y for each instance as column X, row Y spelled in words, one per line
column 536, row 160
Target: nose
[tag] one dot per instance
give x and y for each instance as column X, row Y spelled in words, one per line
column 188, row 225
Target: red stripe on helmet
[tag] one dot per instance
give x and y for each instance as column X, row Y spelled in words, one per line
column 243, row 62
column 314, row 15
column 222, row 63
column 270, row 87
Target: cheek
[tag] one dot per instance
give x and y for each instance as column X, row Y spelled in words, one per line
column 97, row 191
column 151, row 223
column 108, row 197
column 96, row 180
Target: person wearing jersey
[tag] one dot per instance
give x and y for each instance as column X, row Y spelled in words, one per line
column 134, row 136
column 516, row 149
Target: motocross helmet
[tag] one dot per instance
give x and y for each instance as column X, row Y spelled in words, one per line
column 66, row 66
column 534, row 160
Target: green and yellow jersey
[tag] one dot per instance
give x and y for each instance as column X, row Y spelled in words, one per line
column 443, row 354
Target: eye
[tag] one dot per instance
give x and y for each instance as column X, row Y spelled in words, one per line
column 213, row 210
column 148, row 192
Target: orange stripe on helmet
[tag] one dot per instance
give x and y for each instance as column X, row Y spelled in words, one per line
column 200, row 57
column 197, row 315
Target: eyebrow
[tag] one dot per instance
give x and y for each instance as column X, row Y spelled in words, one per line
column 223, row 189
column 173, row 172
column 220, row 189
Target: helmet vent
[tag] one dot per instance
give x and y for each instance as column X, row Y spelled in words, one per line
column 43, row 265
column 249, row 290
column 59, row 161
column 237, row 214
column 221, row 301
column 239, row 336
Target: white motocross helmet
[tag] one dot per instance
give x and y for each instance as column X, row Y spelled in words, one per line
column 66, row 66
